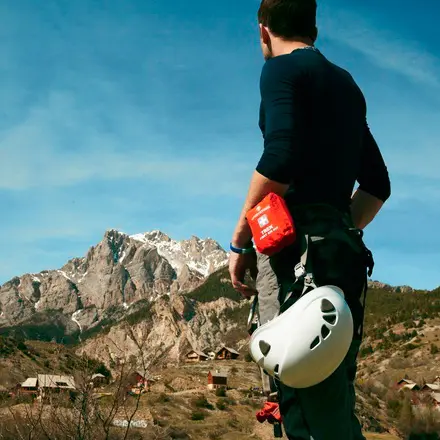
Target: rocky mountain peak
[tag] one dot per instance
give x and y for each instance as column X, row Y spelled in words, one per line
column 118, row 272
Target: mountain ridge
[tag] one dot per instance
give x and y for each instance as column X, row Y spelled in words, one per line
column 118, row 278
column 120, row 270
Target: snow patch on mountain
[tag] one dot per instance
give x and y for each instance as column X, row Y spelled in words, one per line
column 75, row 319
column 201, row 256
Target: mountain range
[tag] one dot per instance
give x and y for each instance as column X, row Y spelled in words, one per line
column 174, row 295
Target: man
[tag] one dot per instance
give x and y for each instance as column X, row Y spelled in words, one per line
column 317, row 145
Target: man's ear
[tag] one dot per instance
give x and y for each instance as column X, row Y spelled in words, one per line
column 264, row 34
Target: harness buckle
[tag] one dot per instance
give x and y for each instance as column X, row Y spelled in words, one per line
column 308, row 280
column 300, row 271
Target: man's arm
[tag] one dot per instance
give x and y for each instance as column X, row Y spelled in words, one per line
column 274, row 170
column 374, row 184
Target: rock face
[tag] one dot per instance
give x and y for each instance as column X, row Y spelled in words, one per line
column 115, row 274
column 169, row 330
column 383, row 286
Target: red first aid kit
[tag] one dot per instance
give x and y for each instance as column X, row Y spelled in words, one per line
column 272, row 225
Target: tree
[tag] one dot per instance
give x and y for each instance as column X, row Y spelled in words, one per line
column 406, row 419
column 81, row 415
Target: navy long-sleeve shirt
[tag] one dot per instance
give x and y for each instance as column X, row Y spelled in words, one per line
column 316, row 137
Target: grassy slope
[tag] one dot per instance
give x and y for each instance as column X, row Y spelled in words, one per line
column 19, row 360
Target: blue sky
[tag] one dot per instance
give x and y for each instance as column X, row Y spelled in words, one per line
column 142, row 114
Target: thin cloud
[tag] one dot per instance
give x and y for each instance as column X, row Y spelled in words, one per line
column 32, row 156
column 386, row 50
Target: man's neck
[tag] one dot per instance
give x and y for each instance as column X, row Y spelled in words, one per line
column 283, row 47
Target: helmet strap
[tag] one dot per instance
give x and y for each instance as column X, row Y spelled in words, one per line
column 303, row 270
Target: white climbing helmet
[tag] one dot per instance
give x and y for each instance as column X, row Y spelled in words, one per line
column 305, row 345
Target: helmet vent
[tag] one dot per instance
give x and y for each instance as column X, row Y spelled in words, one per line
column 315, row 343
column 331, row 319
column 264, row 347
column 327, row 306
column 325, row 331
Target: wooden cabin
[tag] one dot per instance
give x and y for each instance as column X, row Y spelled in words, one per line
column 217, row 379
column 196, row 356
column 407, row 384
column 226, row 353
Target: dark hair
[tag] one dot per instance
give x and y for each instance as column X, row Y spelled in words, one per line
column 289, row 18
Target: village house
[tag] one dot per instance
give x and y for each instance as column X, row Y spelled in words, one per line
column 98, row 380
column 430, row 388
column 54, row 384
column 226, row 353
column 428, row 394
column 436, row 400
column 137, row 383
column 217, row 379
column 407, row 384
column 196, row 356
column 29, row 387
column 47, row 383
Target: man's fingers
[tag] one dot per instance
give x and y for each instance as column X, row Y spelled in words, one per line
column 243, row 289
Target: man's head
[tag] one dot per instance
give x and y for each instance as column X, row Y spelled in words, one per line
column 288, row 21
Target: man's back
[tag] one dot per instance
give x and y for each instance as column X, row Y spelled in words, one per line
column 313, row 119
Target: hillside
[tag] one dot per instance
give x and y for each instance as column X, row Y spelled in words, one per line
column 179, row 406
column 21, row 359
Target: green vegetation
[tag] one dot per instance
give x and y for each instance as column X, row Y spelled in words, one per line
column 202, row 402
column 220, row 392
column 7, row 347
column 221, row 405
column 214, row 288
column 198, row 415
column 143, row 313
column 385, row 308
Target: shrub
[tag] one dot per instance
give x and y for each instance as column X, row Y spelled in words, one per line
column 411, row 346
column 394, row 407
column 248, row 357
column 22, row 346
column 163, row 398
column 202, row 402
column 365, row 351
column 220, row 392
column 434, row 349
column 178, row 434
column 197, row 415
column 230, row 401
column 221, row 405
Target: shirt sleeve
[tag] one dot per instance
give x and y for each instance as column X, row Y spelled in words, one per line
column 373, row 175
column 278, row 95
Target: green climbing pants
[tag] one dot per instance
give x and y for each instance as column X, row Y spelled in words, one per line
column 327, row 410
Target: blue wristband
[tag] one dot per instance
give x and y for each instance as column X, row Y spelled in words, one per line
column 242, row 251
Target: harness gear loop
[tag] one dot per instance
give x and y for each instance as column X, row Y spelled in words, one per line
column 253, row 320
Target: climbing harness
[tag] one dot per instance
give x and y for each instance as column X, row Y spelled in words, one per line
column 303, row 273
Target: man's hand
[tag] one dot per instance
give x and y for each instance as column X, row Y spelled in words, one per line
column 238, row 265
column 259, row 188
